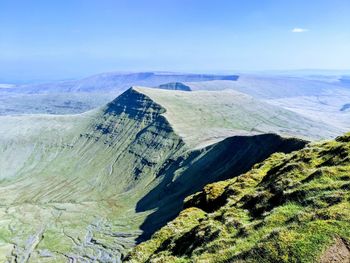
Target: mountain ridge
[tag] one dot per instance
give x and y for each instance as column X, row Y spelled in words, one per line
column 205, row 117
column 89, row 186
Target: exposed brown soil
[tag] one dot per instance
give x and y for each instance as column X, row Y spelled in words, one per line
column 337, row 253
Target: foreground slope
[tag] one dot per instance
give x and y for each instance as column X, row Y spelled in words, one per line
column 87, row 187
column 290, row 208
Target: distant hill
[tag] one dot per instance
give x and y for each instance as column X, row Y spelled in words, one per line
column 345, row 80
column 174, row 86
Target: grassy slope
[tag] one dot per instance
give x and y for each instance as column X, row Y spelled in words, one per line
column 204, row 117
column 270, row 87
column 315, row 99
column 290, row 208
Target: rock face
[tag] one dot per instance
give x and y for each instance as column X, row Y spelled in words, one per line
column 337, row 253
column 87, row 187
column 289, row 208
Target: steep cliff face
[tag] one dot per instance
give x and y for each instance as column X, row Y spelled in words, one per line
column 80, row 178
column 123, row 142
column 290, row 208
column 191, row 171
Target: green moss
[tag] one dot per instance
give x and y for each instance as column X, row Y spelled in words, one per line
column 186, row 221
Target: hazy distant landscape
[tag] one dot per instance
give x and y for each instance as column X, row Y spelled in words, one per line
column 174, row 131
column 321, row 97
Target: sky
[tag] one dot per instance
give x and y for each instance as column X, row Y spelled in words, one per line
column 62, row 39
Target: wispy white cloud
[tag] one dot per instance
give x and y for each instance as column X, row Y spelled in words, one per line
column 299, row 30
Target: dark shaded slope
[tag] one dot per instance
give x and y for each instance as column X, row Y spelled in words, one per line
column 290, row 208
column 191, row 172
column 175, row 86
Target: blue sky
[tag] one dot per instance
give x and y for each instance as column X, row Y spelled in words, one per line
column 42, row 40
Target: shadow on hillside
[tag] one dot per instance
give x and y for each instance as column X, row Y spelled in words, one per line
column 187, row 175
